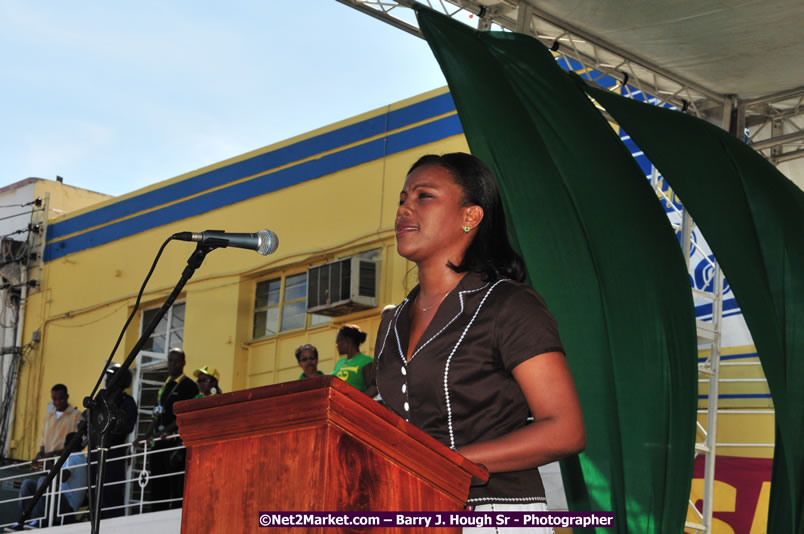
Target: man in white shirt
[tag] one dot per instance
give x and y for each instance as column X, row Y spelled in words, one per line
column 57, row 424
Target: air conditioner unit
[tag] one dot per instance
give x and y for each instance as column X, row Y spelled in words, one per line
column 342, row 286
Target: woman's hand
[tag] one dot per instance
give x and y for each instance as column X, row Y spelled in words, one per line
column 370, row 378
column 557, row 429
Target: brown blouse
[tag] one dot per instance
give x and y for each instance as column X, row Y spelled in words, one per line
column 458, row 385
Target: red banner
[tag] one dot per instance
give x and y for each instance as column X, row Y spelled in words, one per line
column 742, row 490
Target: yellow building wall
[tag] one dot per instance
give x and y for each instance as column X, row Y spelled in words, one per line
column 65, row 198
column 75, row 351
column 87, row 295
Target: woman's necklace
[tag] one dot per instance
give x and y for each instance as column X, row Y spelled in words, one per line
column 428, row 308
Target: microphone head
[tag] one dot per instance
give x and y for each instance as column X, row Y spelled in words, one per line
column 269, row 242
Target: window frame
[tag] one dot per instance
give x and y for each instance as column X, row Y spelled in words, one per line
column 309, row 318
column 150, row 363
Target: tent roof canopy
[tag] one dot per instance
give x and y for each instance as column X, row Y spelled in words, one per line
column 726, row 61
column 750, row 49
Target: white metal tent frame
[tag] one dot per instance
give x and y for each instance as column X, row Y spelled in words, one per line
column 752, row 99
column 775, row 118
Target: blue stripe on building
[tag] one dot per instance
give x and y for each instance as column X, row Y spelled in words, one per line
column 734, row 357
column 426, row 133
column 346, row 135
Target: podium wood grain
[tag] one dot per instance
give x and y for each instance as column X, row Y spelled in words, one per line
column 310, row 445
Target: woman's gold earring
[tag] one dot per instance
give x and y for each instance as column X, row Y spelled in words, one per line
column 466, row 229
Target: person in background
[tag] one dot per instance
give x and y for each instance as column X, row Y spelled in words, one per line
column 473, row 356
column 207, row 378
column 73, row 486
column 177, row 387
column 307, row 358
column 57, row 424
column 355, row 368
column 115, row 472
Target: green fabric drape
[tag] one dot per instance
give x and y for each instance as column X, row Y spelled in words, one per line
column 600, row 249
column 753, row 219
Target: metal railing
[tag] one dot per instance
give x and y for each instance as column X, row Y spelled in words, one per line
column 137, row 485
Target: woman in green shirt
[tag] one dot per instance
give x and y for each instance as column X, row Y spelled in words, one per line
column 355, row 368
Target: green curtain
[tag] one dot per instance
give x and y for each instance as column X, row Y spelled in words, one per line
column 600, row 249
column 753, row 219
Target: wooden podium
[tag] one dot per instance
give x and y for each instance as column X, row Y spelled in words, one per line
column 310, row 445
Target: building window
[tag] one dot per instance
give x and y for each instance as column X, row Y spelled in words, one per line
column 151, row 371
column 294, row 305
column 280, row 304
column 266, row 308
column 169, row 332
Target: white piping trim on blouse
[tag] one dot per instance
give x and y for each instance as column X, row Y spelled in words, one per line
column 460, row 297
column 391, row 322
column 449, row 359
column 384, row 339
column 396, row 335
column 491, row 500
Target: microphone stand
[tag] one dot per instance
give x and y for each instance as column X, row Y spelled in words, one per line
column 102, row 414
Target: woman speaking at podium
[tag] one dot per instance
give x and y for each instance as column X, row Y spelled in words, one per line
column 472, row 353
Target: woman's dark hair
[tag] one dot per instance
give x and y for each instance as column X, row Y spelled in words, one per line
column 353, row 332
column 304, row 347
column 490, row 253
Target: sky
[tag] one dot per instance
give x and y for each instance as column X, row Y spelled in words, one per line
column 117, row 96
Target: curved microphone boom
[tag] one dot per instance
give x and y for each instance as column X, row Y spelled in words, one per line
column 265, row 241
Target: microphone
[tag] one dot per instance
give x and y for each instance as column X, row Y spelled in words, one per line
column 265, row 241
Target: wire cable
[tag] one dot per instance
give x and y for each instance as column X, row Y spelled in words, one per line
column 37, row 201
column 22, row 231
column 31, row 228
column 19, row 214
